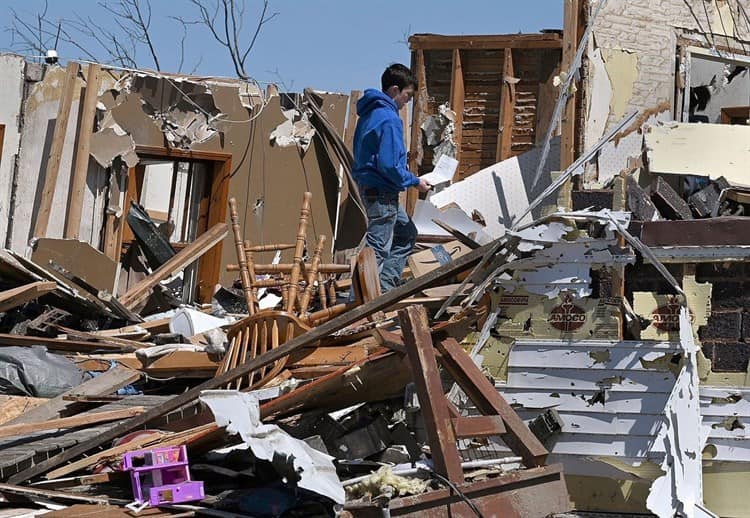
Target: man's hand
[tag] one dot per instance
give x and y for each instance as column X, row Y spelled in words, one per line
column 423, row 186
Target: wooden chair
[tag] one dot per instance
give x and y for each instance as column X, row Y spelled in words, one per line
column 255, row 335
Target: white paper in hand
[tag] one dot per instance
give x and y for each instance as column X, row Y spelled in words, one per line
column 443, row 172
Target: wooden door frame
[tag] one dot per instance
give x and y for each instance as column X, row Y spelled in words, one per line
column 209, row 266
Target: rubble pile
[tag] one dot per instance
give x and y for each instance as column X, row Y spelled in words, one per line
column 190, row 323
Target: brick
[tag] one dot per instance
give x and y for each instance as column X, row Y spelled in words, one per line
column 727, row 356
column 730, row 294
column 668, row 202
column 722, row 325
column 639, row 203
column 718, row 271
column 746, row 327
column 602, row 283
column 644, row 277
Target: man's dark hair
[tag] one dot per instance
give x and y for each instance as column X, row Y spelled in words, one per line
column 399, row 75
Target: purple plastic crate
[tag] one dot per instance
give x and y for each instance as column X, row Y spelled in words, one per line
column 162, row 476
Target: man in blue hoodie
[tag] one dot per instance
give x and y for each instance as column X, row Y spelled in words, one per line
column 381, row 173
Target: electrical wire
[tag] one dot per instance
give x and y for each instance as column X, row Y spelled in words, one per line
column 744, row 13
column 153, row 73
column 711, row 29
column 453, row 487
column 736, row 28
column 697, row 20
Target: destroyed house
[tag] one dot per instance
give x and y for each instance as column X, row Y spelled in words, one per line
column 81, row 143
column 572, row 332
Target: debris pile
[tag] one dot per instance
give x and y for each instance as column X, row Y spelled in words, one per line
column 196, row 328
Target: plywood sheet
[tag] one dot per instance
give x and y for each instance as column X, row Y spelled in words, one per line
column 79, row 258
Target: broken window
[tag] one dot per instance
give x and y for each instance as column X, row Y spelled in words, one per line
column 717, row 87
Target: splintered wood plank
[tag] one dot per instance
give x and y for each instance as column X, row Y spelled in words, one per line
column 31, row 492
column 326, row 329
column 109, row 511
column 160, row 439
column 181, row 260
column 59, row 344
column 572, row 10
column 15, row 297
column 56, row 149
column 81, row 167
column 418, row 114
column 70, row 422
column 488, row 401
column 507, row 103
column 102, row 385
column 437, row 418
column 351, row 124
column 457, row 101
column 13, row 406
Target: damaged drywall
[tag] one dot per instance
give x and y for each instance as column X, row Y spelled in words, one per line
column 627, row 147
column 184, row 110
column 39, row 116
column 439, row 130
column 11, row 97
column 681, row 148
column 296, row 130
column 296, row 461
column 599, row 98
column 501, row 193
column 716, row 84
column 112, row 142
column 622, row 68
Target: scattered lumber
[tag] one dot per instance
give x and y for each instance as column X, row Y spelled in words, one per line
column 182, row 259
column 14, row 406
column 70, row 422
column 62, row 344
column 15, row 297
column 102, row 385
column 354, row 315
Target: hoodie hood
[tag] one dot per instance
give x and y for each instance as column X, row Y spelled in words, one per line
column 373, row 99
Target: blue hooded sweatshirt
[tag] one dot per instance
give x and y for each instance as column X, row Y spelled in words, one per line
column 379, row 152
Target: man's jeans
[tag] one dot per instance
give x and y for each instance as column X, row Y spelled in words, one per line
column 391, row 233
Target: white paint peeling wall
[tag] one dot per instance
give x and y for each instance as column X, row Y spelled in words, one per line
column 11, row 96
column 649, row 28
column 40, row 113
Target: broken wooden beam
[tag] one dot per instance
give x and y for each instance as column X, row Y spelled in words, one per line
column 33, row 493
column 104, row 384
column 176, row 263
column 56, row 149
column 15, row 297
column 71, row 422
column 82, row 154
column 385, row 301
column 432, row 400
column 261, row 269
column 488, row 401
column 61, row 344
